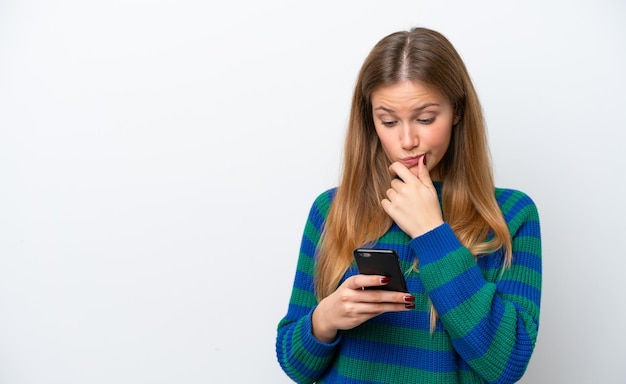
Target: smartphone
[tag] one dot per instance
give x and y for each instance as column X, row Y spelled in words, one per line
column 383, row 262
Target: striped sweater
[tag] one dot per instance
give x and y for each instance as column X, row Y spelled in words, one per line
column 488, row 320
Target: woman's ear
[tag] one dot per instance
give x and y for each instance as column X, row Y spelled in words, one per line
column 457, row 118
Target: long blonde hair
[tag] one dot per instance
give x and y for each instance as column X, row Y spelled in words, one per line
column 469, row 205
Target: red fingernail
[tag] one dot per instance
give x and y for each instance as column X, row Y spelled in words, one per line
column 385, row 280
column 409, row 299
column 424, row 159
column 409, row 306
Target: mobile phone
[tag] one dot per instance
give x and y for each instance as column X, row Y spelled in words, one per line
column 383, row 262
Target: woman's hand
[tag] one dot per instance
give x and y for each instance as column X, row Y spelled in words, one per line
column 351, row 305
column 412, row 200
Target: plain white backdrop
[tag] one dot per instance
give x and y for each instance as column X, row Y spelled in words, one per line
column 158, row 160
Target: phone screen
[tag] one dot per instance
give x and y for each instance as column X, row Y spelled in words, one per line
column 383, row 262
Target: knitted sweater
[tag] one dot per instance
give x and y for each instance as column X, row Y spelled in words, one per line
column 488, row 317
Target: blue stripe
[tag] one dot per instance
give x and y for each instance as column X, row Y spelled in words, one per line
column 303, row 281
column 517, row 208
column 517, row 362
column 530, row 229
column 399, row 355
column 296, row 312
column 493, row 260
column 441, row 241
column 502, row 195
column 308, row 245
column 519, row 288
column 333, row 376
column 451, row 296
column 528, row 260
column 414, row 284
column 473, row 345
column 301, row 369
column 294, row 365
column 414, row 320
column 316, row 217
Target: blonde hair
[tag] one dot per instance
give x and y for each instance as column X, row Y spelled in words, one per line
column 469, row 205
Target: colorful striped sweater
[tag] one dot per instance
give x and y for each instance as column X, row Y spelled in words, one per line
column 488, row 321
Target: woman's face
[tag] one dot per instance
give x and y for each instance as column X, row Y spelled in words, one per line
column 413, row 121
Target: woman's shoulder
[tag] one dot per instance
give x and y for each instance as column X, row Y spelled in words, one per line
column 326, row 196
column 510, row 195
column 321, row 204
column 516, row 206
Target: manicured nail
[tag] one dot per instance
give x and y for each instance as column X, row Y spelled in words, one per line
column 409, row 306
column 385, row 280
column 409, row 299
column 424, row 157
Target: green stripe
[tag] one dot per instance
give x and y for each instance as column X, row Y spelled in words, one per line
column 527, row 243
column 527, row 214
column 309, row 360
column 523, row 275
column 500, row 348
column 525, row 303
column 529, row 317
column 492, row 274
column 510, row 202
column 322, row 204
column 415, row 338
column 448, row 267
column 311, row 233
column 306, row 264
column 303, row 298
column 469, row 313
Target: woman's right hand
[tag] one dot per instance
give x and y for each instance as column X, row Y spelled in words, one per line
column 351, row 305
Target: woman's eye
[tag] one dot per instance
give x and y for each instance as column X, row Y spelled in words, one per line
column 388, row 123
column 426, row 121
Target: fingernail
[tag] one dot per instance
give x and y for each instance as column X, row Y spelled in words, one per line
column 409, row 306
column 385, row 280
column 409, row 299
column 424, row 159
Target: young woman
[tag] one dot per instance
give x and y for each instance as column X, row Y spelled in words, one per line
column 417, row 179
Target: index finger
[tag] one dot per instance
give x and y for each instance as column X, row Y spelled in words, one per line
column 361, row 281
column 401, row 171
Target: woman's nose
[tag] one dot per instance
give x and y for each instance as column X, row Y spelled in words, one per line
column 409, row 138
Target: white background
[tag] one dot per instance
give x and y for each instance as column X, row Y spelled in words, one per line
column 158, row 160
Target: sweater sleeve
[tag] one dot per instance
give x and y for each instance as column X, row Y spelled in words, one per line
column 304, row 358
column 493, row 322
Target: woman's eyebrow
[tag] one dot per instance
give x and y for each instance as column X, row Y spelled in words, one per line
column 384, row 109
column 421, row 107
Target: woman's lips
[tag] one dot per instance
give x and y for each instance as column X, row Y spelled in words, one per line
column 411, row 161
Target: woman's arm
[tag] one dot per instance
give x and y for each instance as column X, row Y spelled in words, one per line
column 300, row 354
column 493, row 324
column 308, row 335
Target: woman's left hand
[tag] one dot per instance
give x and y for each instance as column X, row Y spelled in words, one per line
column 412, row 200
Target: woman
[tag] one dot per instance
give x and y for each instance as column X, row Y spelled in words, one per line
column 417, row 179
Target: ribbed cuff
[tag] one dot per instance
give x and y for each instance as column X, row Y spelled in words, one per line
column 312, row 344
